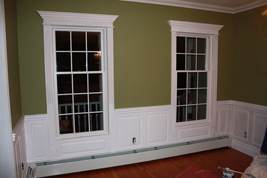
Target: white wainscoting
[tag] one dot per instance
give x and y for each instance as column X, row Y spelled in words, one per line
column 20, row 148
column 245, row 122
column 150, row 126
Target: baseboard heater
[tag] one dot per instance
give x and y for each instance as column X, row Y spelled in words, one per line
column 65, row 166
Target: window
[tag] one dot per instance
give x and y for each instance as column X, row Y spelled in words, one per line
column 191, row 78
column 79, row 72
column 80, row 79
column 194, row 72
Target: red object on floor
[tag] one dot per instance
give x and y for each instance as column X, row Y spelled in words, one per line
column 193, row 172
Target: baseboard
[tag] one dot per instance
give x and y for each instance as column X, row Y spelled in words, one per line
column 244, row 148
column 128, row 157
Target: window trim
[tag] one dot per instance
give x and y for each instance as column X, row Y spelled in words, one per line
column 55, row 20
column 211, row 31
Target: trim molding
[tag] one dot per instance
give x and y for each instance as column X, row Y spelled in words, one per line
column 245, row 148
column 201, row 6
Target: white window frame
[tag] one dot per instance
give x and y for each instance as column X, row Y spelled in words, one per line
column 211, row 33
column 64, row 20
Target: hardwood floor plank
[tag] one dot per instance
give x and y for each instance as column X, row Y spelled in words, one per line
column 171, row 167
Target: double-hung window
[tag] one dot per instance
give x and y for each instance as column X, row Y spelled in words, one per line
column 78, row 52
column 194, row 72
column 80, row 80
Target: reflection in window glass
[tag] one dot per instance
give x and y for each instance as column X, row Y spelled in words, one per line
column 191, row 78
column 79, row 81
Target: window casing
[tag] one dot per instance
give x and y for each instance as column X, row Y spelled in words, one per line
column 194, row 72
column 78, row 52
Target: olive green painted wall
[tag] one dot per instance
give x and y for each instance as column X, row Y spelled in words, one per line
column 250, row 57
column 142, row 49
column 13, row 62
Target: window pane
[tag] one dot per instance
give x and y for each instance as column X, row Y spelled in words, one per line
column 180, row 114
column 93, row 41
column 201, row 62
column 64, row 84
column 66, row 124
column 80, row 83
column 202, row 96
column 95, row 82
column 96, row 121
column 181, row 80
column 95, row 102
column 192, row 80
column 181, row 97
column 79, row 61
column 65, row 104
column 201, row 114
column 80, row 103
column 94, row 61
column 63, row 62
column 62, row 41
column 191, row 62
column 78, row 41
column 180, row 45
column 81, row 123
column 191, row 113
column 191, row 45
column 180, row 64
column 202, row 79
column 201, row 45
column 192, row 97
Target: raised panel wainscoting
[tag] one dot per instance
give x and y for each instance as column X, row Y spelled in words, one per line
column 140, row 128
column 245, row 122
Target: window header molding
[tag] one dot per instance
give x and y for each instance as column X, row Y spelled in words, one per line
column 193, row 27
column 77, row 19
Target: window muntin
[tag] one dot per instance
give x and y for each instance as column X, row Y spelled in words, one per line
column 192, row 78
column 80, row 80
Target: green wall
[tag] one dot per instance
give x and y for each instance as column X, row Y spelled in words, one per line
column 13, row 62
column 250, row 57
column 142, row 49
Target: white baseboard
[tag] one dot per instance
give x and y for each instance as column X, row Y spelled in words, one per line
column 244, row 148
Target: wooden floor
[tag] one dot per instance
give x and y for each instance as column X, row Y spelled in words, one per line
column 171, row 167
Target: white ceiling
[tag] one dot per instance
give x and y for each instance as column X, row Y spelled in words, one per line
column 227, row 6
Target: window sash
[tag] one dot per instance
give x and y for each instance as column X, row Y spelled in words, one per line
column 89, row 130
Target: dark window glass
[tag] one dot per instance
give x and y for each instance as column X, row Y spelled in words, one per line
column 181, row 114
column 93, row 41
column 64, row 83
column 79, row 61
column 180, row 64
column 65, row 104
column 62, row 41
column 201, row 45
column 202, row 79
column 80, row 103
column 181, row 80
column 201, row 62
column 80, row 83
column 201, row 114
column 180, row 45
column 66, row 124
column 191, row 113
column 63, row 62
column 191, row 45
column 81, row 123
column 95, row 82
column 96, row 121
column 181, row 97
column 78, row 41
column 94, row 61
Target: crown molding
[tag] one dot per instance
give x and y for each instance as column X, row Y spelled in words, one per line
column 201, row 6
column 80, row 19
